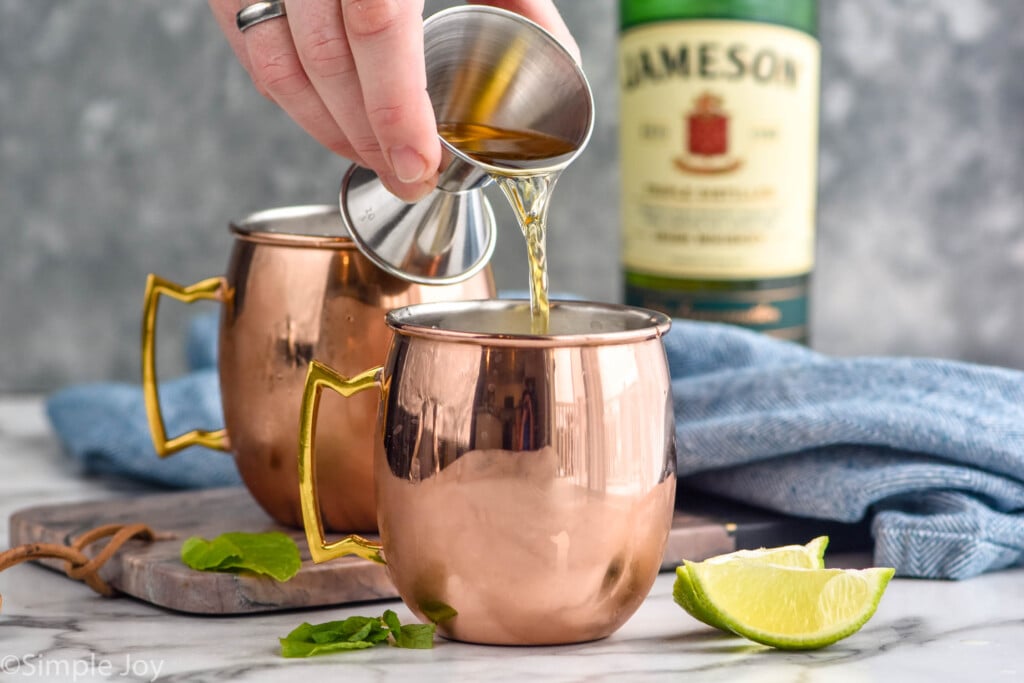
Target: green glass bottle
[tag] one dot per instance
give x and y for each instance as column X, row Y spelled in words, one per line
column 719, row 144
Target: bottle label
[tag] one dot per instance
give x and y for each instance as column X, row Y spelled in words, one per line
column 719, row 136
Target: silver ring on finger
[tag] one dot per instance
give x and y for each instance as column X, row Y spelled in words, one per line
column 258, row 12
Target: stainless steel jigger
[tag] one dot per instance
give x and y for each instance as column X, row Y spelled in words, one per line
column 484, row 66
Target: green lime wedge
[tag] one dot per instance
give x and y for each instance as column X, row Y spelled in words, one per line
column 791, row 608
column 810, row 556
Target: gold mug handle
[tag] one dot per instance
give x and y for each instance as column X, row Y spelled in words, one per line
column 317, row 377
column 215, row 289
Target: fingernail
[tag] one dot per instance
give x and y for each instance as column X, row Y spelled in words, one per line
column 409, row 165
column 406, row 192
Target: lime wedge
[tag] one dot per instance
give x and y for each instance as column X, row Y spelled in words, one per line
column 810, row 556
column 791, row 608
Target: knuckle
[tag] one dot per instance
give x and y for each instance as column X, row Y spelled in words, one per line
column 366, row 146
column 371, row 18
column 327, row 55
column 342, row 147
column 384, row 117
column 280, row 74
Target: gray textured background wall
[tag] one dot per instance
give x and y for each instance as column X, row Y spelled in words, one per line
column 129, row 137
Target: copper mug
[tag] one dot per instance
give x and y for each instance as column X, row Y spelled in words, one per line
column 296, row 288
column 525, row 484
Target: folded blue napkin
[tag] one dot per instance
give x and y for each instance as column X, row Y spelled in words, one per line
column 104, row 426
column 932, row 451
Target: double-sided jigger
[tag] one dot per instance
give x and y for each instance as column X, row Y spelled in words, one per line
column 489, row 67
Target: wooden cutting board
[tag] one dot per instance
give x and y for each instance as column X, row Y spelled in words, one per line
column 153, row 572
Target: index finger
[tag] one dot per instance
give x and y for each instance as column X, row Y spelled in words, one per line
column 386, row 38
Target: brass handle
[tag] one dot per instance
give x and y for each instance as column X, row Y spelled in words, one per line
column 215, row 289
column 317, row 377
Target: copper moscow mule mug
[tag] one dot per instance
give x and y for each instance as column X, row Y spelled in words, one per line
column 525, row 484
column 296, row 288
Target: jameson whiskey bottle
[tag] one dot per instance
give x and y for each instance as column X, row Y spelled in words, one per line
column 719, row 138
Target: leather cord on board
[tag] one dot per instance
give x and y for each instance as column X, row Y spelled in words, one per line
column 78, row 565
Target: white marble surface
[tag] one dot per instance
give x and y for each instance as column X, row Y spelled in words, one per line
column 52, row 629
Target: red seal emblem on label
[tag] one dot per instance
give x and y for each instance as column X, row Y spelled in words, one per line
column 707, row 138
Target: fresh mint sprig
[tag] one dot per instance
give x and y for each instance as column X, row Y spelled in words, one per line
column 355, row 633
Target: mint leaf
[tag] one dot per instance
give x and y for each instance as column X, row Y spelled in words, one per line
column 355, row 633
column 305, row 631
column 436, row 611
column 198, row 553
column 391, row 619
column 415, row 636
column 293, row 648
column 353, row 629
column 273, row 554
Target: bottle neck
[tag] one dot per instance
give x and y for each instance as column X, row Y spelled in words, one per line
column 799, row 14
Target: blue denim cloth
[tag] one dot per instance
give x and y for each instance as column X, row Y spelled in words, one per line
column 931, row 451
column 104, row 426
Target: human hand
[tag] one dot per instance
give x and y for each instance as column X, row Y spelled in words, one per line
column 351, row 73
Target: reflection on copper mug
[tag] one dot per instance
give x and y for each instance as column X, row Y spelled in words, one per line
column 296, row 288
column 525, row 484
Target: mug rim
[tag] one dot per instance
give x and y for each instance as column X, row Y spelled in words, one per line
column 415, row 321
column 248, row 229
